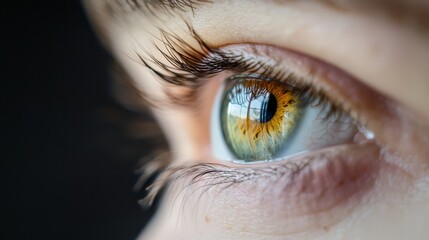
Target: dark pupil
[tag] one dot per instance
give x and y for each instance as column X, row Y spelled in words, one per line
column 269, row 108
column 251, row 105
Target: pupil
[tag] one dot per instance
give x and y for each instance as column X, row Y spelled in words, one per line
column 269, row 108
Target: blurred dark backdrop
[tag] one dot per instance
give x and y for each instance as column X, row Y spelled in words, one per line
column 69, row 150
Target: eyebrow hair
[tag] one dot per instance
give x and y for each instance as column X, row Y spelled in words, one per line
column 181, row 5
column 154, row 6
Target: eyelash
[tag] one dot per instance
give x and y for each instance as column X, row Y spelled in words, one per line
column 212, row 174
column 190, row 67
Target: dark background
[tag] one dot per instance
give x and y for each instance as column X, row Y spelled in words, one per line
column 70, row 151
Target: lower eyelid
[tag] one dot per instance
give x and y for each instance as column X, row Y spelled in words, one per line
column 329, row 176
column 331, row 181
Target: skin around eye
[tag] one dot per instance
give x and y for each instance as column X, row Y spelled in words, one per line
column 311, row 192
column 372, row 60
column 261, row 206
column 334, row 204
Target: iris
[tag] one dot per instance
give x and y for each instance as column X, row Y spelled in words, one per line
column 258, row 117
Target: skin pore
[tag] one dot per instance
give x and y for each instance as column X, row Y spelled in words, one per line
column 371, row 58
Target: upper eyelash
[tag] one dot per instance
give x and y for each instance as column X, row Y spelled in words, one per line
column 189, row 66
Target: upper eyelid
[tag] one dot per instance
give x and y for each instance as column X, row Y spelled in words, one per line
column 185, row 65
column 188, row 66
column 184, row 61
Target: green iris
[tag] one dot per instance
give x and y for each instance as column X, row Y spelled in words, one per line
column 258, row 117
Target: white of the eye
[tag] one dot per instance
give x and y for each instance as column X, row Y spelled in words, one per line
column 315, row 131
column 220, row 149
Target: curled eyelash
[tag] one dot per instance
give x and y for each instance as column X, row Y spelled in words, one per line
column 189, row 66
column 185, row 65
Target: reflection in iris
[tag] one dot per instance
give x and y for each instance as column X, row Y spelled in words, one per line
column 258, row 117
column 260, row 108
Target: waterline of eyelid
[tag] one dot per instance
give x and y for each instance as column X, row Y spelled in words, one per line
column 290, row 156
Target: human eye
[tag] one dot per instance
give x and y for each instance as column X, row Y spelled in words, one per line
column 319, row 161
column 265, row 109
column 258, row 118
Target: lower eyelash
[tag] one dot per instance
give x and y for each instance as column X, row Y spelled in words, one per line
column 212, row 174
